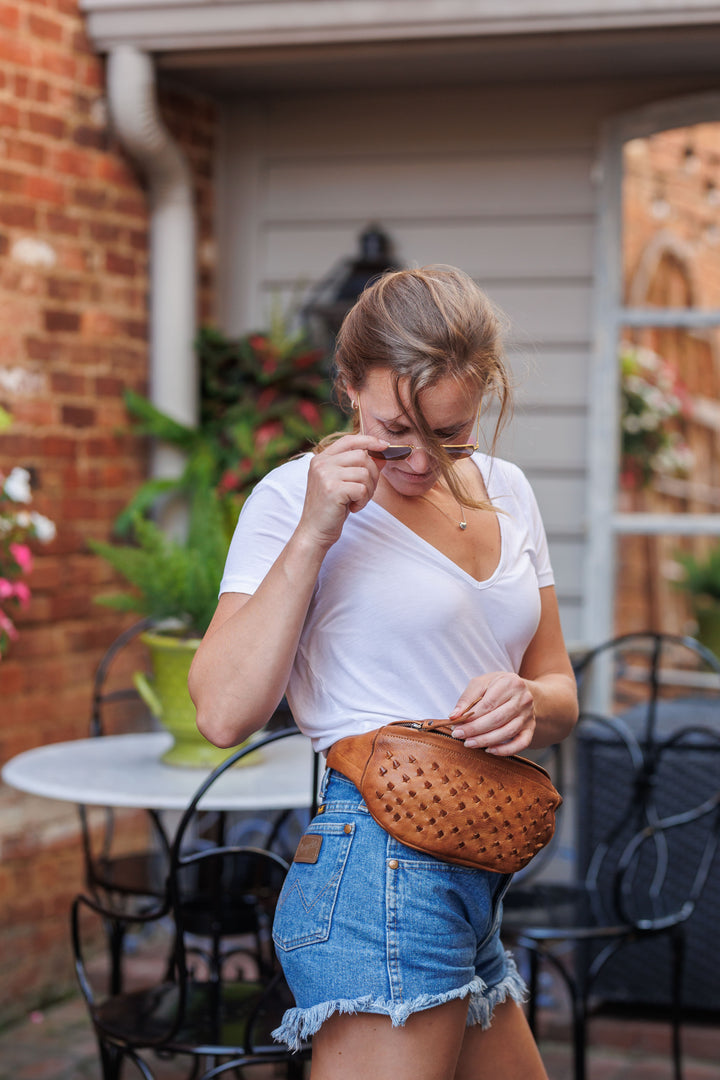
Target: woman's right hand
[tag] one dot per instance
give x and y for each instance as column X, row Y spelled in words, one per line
column 341, row 480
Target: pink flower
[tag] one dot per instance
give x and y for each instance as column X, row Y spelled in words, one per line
column 7, row 589
column 228, row 482
column 7, row 626
column 266, row 432
column 310, row 412
column 23, row 557
column 22, row 593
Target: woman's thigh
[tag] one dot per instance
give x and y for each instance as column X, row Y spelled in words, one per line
column 504, row 1051
column 433, row 1045
column 364, row 1045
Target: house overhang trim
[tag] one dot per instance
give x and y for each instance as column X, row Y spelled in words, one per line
column 168, row 25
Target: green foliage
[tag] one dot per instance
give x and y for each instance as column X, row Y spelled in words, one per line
column 264, row 397
column 702, row 573
column 170, row 579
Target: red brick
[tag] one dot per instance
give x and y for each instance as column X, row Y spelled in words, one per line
column 62, row 224
column 59, row 63
column 104, row 232
column 98, row 323
column 41, row 91
column 47, row 29
column 34, row 411
column 92, row 198
column 28, row 152
column 136, row 328
column 40, row 348
column 21, row 85
column 63, row 322
column 72, row 162
column 58, row 446
column 109, row 386
column 76, row 605
column 11, row 182
column 18, row 215
column 9, row 115
column 78, row 416
column 67, row 289
column 130, row 206
column 45, row 188
column 120, row 264
column 92, row 74
column 45, row 124
column 90, row 137
column 9, row 16
column 16, row 51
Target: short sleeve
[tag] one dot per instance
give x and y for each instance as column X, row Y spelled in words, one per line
column 266, row 523
column 539, row 551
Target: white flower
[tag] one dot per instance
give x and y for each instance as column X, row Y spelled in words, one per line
column 17, row 485
column 44, row 528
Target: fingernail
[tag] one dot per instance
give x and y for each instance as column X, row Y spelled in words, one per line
column 458, row 733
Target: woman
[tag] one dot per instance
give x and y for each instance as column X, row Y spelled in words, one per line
column 398, row 574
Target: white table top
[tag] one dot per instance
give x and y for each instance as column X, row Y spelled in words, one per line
column 126, row 771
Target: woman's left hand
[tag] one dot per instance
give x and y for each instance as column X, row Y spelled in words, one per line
column 495, row 712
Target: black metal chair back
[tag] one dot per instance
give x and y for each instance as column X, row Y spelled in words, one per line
column 647, row 774
column 225, row 992
column 121, row 879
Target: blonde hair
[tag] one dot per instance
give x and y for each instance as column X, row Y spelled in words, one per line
column 425, row 325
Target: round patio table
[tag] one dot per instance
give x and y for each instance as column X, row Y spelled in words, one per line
column 126, row 771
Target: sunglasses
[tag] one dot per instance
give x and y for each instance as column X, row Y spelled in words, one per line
column 404, row 450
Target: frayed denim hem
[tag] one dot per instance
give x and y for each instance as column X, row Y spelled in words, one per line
column 483, row 1002
column 299, row 1025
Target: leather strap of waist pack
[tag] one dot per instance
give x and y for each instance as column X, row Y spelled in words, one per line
column 350, row 755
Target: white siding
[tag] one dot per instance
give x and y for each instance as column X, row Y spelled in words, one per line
column 497, row 180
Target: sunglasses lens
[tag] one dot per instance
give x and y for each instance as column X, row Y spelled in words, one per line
column 459, row 451
column 391, row 453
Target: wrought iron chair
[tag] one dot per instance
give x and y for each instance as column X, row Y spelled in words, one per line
column 220, row 1001
column 121, row 881
column 648, row 815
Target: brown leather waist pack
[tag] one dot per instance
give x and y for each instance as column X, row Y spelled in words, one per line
column 436, row 795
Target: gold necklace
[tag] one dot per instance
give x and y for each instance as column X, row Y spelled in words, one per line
column 460, row 524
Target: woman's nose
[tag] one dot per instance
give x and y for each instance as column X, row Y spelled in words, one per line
column 419, row 460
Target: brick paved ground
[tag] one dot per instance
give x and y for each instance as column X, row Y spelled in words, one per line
column 58, row 1045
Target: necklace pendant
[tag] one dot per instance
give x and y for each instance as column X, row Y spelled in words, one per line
column 463, row 525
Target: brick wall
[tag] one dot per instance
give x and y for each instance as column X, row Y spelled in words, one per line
column 73, row 334
column 671, row 199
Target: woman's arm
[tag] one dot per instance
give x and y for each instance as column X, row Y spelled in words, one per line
column 242, row 667
column 506, row 713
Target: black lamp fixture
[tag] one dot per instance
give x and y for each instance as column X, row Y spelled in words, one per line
column 335, row 294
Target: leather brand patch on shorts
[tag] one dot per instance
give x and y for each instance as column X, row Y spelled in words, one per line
column 308, row 849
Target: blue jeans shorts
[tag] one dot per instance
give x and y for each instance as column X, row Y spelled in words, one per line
column 366, row 924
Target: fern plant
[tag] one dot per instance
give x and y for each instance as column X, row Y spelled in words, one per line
column 171, row 579
column 702, row 574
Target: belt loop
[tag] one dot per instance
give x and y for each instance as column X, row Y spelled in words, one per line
column 324, row 783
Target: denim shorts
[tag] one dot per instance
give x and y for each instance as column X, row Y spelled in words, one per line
column 366, row 924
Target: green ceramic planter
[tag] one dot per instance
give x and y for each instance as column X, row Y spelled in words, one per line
column 708, row 620
column 167, row 696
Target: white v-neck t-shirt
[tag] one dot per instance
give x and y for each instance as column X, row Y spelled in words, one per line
column 395, row 629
